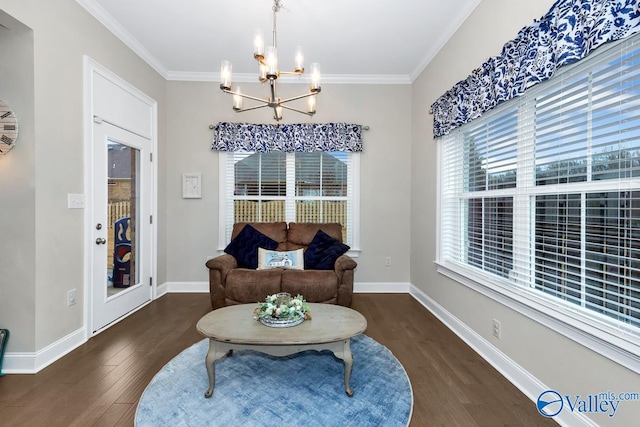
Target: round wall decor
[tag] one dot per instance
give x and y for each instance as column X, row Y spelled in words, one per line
column 8, row 128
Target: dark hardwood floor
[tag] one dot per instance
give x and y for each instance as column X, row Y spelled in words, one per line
column 99, row 383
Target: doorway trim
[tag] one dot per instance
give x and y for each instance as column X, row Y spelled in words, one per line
column 91, row 109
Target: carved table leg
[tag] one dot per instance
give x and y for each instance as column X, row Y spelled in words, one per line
column 347, row 357
column 215, row 352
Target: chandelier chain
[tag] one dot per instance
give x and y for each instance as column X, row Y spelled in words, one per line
column 277, row 4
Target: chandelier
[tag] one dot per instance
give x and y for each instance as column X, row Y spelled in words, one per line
column 267, row 58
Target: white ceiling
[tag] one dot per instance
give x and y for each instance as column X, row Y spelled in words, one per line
column 355, row 41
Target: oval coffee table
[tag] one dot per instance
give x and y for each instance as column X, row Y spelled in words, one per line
column 233, row 328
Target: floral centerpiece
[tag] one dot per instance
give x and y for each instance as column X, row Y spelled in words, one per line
column 280, row 310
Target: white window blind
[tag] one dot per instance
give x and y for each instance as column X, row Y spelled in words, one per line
column 479, row 193
column 291, row 187
column 543, row 192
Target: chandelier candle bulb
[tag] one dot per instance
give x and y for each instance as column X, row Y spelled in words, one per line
column 271, row 54
column 299, row 68
column 237, row 100
column 315, row 77
column 262, row 75
column 258, row 45
column 225, row 75
column 311, row 105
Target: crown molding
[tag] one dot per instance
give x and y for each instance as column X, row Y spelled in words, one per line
column 118, row 30
column 121, row 33
column 207, row 76
column 367, row 79
column 443, row 39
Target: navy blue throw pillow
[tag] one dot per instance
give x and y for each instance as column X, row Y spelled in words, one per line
column 323, row 251
column 244, row 247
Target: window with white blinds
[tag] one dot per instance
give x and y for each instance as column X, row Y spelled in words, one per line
column 542, row 194
column 292, row 187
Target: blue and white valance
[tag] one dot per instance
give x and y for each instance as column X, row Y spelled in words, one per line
column 306, row 137
column 567, row 33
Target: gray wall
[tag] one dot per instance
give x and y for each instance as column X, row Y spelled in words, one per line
column 555, row 360
column 49, row 165
column 192, row 224
column 17, row 188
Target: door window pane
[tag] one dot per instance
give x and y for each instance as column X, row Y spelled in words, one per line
column 123, row 189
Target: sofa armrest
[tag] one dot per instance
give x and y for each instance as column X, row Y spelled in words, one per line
column 224, row 262
column 219, row 267
column 344, row 268
column 343, row 263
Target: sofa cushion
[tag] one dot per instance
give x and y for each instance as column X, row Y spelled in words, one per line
column 248, row 286
column 301, row 234
column 313, row 285
column 280, row 259
column 276, row 230
column 323, row 251
column 244, row 246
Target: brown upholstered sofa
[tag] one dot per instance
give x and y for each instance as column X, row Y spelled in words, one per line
column 231, row 284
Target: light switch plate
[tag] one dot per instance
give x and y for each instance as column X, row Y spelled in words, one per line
column 75, row 201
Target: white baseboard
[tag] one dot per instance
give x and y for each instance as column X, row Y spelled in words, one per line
column 381, row 288
column 358, row 287
column 161, row 290
column 31, row 363
column 186, row 287
column 516, row 374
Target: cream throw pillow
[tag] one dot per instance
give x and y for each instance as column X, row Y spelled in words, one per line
column 280, row 259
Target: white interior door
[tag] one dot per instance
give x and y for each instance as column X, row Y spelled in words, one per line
column 122, row 235
column 120, row 138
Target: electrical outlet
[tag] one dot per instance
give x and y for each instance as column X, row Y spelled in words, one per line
column 497, row 329
column 71, row 297
column 387, row 261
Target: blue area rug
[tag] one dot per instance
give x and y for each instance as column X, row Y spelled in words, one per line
column 255, row 389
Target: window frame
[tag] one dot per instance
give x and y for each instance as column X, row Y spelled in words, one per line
column 353, row 192
column 610, row 338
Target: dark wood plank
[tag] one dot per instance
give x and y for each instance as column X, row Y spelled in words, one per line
column 452, row 384
column 100, row 383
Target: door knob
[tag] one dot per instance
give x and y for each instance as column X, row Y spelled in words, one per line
column 101, row 241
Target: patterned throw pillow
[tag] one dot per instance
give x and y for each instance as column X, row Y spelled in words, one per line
column 244, row 247
column 280, row 259
column 323, row 251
